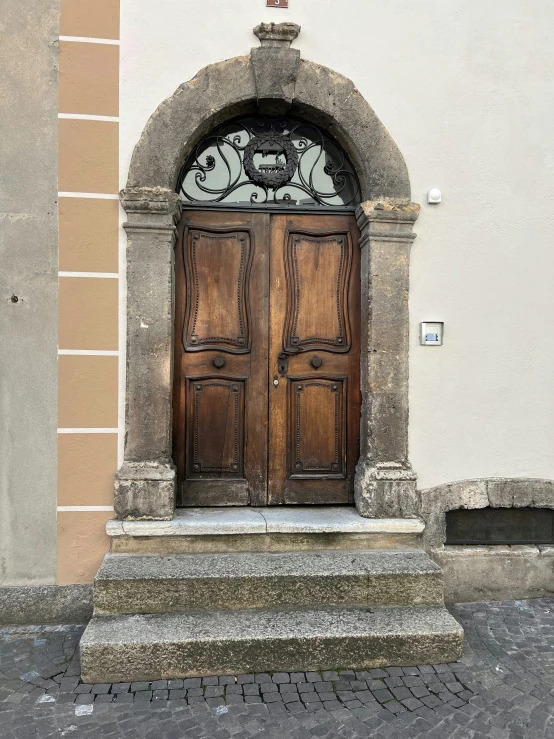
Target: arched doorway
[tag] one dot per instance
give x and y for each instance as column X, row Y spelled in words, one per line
column 267, row 318
column 272, row 81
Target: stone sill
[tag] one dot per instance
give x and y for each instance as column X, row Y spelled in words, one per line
column 492, row 550
column 248, row 520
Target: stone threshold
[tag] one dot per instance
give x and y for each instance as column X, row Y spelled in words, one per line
column 249, row 520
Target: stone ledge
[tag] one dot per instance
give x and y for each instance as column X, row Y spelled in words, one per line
column 45, row 604
column 237, row 521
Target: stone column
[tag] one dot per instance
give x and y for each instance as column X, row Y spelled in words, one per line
column 385, row 484
column 145, row 486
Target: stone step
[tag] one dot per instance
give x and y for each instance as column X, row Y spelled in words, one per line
column 159, row 584
column 278, row 529
column 171, row 645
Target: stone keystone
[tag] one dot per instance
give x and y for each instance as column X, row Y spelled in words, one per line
column 275, row 67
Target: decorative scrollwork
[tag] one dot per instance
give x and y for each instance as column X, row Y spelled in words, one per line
column 281, row 162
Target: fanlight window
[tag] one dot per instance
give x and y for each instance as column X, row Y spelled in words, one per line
column 277, row 162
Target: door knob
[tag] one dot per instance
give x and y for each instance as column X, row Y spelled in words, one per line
column 316, row 362
column 218, row 362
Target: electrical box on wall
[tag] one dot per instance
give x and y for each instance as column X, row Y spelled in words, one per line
column 430, row 333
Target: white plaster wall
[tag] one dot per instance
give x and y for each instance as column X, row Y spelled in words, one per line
column 466, row 89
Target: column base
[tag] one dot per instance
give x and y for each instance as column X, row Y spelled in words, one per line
column 145, row 491
column 386, row 490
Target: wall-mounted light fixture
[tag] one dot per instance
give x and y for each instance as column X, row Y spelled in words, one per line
column 434, row 196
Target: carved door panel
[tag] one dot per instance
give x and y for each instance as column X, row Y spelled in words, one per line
column 266, row 391
column 221, row 358
column 314, row 410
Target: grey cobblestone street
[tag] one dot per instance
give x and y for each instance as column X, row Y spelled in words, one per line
column 502, row 689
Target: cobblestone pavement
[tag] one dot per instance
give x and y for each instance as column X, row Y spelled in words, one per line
column 502, row 689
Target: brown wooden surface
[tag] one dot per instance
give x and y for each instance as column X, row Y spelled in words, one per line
column 249, row 287
column 221, row 303
column 314, row 414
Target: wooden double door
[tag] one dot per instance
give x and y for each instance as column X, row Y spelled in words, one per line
column 267, row 355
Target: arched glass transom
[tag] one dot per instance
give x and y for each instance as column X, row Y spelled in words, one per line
column 278, row 162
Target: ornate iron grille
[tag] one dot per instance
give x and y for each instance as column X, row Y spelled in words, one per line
column 277, row 162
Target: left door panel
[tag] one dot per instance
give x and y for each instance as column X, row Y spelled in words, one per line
column 221, row 358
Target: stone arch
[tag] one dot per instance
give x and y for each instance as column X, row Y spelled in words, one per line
column 272, row 80
column 228, row 89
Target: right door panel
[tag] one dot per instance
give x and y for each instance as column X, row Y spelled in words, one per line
column 314, row 400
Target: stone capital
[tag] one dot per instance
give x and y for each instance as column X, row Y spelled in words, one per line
column 386, row 221
column 150, row 208
column 277, row 34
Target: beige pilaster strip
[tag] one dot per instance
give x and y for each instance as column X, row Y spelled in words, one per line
column 88, row 345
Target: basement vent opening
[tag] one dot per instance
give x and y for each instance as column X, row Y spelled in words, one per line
column 500, row 526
